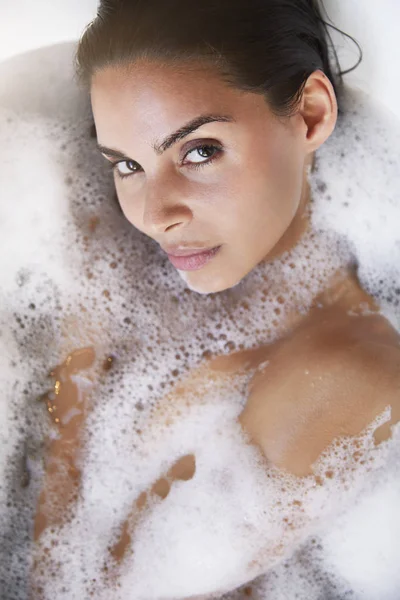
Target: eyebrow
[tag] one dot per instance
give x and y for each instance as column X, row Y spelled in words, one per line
column 174, row 137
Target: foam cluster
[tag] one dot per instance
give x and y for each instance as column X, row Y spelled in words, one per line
column 76, row 274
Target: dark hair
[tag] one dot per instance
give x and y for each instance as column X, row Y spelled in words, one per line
column 268, row 47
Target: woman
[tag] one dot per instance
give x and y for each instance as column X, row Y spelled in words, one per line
column 210, row 115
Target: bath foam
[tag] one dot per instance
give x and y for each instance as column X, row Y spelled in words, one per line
column 357, row 184
column 78, row 274
column 352, row 557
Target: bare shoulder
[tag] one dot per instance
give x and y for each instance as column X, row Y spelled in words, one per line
column 331, row 376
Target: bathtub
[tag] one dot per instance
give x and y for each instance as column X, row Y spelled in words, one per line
column 29, row 29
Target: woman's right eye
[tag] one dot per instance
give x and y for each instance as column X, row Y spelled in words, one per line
column 126, row 168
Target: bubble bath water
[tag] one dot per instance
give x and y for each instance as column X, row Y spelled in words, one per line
column 77, row 275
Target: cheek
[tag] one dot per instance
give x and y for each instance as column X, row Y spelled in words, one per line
column 283, row 164
column 265, row 195
column 281, row 176
column 286, row 184
column 260, row 201
column 130, row 209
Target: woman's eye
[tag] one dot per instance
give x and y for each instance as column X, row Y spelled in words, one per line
column 202, row 154
column 125, row 168
column 199, row 156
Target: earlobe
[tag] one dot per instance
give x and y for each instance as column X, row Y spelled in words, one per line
column 318, row 108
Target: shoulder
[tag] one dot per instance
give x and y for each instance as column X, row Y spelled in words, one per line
column 332, row 376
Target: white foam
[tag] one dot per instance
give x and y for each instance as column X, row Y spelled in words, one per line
column 76, row 274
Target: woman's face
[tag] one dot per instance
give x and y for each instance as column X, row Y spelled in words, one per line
column 205, row 170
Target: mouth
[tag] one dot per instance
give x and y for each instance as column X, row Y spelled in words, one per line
column 191, row 259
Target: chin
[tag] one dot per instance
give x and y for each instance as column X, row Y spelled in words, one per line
column 207, row 285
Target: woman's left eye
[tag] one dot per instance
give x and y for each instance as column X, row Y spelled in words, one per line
column 202, row 155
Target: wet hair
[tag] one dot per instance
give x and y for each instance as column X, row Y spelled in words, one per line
column 268, row 47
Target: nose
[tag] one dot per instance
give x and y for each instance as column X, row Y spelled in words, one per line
column 165, row 209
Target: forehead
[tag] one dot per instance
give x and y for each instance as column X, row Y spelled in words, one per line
column 149, row 99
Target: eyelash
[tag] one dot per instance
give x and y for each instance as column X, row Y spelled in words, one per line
column 199, row 165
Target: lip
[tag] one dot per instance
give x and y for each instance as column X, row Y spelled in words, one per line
column 191, row 259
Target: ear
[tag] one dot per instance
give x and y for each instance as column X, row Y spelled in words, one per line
column 318, row 108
